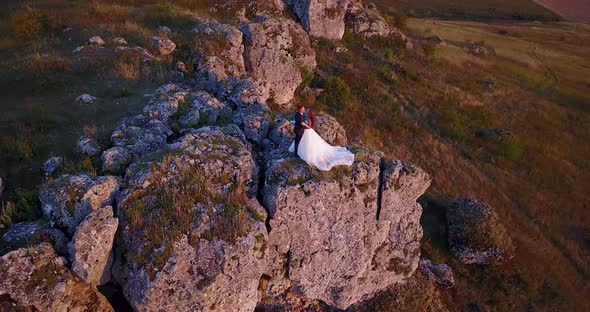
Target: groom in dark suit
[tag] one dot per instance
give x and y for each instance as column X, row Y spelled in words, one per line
column 300, row 126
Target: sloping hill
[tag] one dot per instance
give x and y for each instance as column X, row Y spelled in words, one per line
column 574, row 10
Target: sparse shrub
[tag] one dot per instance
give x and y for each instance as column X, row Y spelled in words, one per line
column 429, row 49
column 455, row 122
column 27, row 208
column 337, row 96
column 510, row 148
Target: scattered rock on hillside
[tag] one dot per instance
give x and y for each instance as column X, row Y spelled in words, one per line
column 480, row 50
column 35, row 278
column 164, row 29
column 86, row 99
column 162, row 45
column 67, row 200
column 30, row 233
column 215, row 262
column 356, row 255
column 51, row 165
column 321, row 18
column 87, row 146
column 78, row 49
column 96, row 41
column 90, row 248
column 115, row 159
column 119, row 41
column 370, row 23
column 476, row 235
column 275, row 50
column 440, row 273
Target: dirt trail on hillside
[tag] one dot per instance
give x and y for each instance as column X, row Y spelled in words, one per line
column 574, row 10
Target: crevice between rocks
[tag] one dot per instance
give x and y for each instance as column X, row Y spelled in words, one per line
column 380, row 187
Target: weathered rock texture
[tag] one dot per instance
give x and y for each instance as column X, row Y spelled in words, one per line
column 324, row 226
column 209, row 259
column 37, row 279
column 476, row 235
column 90, row 248
column 440, row 273
column 29, row 233
column 66, row 201
column 275, row 50
column 322, row 18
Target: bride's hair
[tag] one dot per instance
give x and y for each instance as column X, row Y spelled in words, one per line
column 311, row 118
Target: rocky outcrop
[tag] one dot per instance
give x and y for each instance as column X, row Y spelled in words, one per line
column 440, row 273
column 67, row 200
column 210, row 110
column 275, row 50
column 115, row 159
column 321, row 18
column 87, row 146
column 218, row 51
column 31, row 233
column 35, row 278
column 476, row 235
column 369, row 23
column 326, row 231
column 164, row 102
column 140, row 135
column 51, row 165
column 206, row 239
column 330, row 130
column 90, row 248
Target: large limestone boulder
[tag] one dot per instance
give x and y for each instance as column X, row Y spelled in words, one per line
column 325, row 232
column 330, row 130
column 194, row 238
column 322, row 18
column 90, row 248
column 275, row 50
column 282, row 134
column 218, row 51
column 36, row 279
column 210, row 110
column 67, row 200
column 476, row 235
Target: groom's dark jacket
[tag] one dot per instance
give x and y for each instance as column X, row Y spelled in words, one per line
column 299, row 118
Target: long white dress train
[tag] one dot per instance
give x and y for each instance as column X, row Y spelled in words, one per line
column 317, row 152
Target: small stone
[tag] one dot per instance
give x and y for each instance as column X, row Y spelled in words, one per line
column 163, row 46
column 164, row 29
column 86, row 99
column 119, row 41
column 51, row 165
column 78, row 49
column 442, row 274
column 96, row 41
column 88, row 146
column 180, row 66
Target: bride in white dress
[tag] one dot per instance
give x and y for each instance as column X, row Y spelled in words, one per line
column 317, row 152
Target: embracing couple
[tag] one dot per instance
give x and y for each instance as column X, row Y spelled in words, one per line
column 310, row 147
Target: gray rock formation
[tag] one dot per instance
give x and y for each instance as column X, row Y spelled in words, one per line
column 31, row 233
column 440, row 273
column 330, row 130
column 476, row 235
column 275, row 50
column 67, row 200
column 164, row 102
column 210, row 110
column 325, row 230
column 206, row 241
column 140, row 135
column 119, row 41
column 91, row 245
column 218, row 54
column 85, row 99
column 322, row 18
column 163, row 45
column 87, row 145
column 115, row 159
column 51, row 165
column 36, row 279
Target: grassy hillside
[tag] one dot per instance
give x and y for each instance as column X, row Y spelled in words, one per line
column 470, row 10
column 431, row 105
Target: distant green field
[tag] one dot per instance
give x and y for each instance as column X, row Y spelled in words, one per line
column 469, row 10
